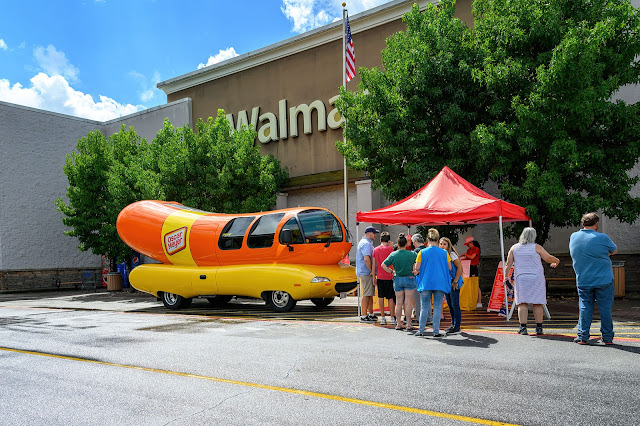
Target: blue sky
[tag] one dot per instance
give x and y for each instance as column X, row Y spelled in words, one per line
column 101, row 59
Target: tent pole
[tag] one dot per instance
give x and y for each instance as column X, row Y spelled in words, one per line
column 360, row 284
column 504, row 272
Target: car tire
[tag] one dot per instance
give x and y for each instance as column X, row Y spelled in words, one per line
column 174, row 301
column 280, row 301
column 322, row 302
column 219, row 300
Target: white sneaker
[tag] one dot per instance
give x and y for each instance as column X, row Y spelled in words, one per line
column 383, row 321
column 479, row 306
column 392, row 321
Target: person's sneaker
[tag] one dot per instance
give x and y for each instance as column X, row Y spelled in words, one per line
column 418, row 334
column 438, row 335
column 364, row 318
column 452, row 330
column 478, row 305
column 415, row 321
column 523, row 330
column 580, row 341
column 539, row 331
column 383, row 321
column 373, row 317
column 605, row 342
column 393, row 321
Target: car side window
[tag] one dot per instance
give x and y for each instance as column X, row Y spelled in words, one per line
column 292, row 225
column 233, row 233
column 263, row 231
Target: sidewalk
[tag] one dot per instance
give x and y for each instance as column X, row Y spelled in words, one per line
column 625, row 309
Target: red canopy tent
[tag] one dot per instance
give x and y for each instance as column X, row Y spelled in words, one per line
column 448, row 199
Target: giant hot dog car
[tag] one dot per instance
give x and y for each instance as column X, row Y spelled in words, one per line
column 281, row 256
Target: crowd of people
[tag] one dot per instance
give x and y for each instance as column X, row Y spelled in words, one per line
column 411, row 276
column 414, row 278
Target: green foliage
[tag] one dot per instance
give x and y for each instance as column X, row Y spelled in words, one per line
column 524, row 99
column 415, row 116
column 105, row 175
column 215, row 169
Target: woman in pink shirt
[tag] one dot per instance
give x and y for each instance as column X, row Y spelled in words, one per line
column 384, row 280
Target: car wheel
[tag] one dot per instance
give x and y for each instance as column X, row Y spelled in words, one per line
column 219, row 300
column 281, row 301
column 322, row 302
column 174, row 301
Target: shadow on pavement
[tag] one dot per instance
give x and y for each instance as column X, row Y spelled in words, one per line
column 631, row 349
column 592, row 342
column 471, row 340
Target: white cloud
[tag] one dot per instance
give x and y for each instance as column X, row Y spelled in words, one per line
column 309, row 14
column 54, row 62
column 148, row 86
column 222, row 55
column 53, row 93
column 3, row 45
column 147, row 95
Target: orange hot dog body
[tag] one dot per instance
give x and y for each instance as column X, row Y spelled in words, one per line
column 174, row 234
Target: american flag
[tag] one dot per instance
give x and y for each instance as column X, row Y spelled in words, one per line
column 350, row 57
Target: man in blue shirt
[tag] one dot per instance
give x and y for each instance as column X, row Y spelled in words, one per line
column 364, row 268
column 590, row 251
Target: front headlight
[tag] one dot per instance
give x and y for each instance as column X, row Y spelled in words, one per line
column 320, row 280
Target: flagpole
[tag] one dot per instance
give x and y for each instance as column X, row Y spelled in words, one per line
column 344, row 139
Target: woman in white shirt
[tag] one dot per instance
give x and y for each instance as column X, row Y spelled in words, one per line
column 530, row 284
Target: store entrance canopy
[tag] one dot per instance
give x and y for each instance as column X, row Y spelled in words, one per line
column 447, row 199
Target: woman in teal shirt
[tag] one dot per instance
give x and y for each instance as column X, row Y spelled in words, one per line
column 404, row 282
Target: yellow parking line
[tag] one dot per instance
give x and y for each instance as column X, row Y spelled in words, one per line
column 273, row 388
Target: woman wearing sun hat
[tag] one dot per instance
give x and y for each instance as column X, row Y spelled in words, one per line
column 473, row 254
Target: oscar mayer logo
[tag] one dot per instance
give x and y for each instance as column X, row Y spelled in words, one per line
column 175, row 241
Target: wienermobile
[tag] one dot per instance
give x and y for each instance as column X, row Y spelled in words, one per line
column 281, row 256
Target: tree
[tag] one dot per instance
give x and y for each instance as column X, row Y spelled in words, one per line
column 524, row 99
column 105, row 175
column 216, row 168
column 131, row 178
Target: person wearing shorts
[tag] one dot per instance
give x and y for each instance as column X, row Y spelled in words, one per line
column 384, row 280
column 404, row 281
column 364, row 271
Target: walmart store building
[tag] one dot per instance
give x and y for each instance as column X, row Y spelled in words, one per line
column 286, row 92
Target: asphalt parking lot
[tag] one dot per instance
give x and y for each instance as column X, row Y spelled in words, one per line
column 563, row 310
column 122, row 358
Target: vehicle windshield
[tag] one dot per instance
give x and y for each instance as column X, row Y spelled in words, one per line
column 320, row 226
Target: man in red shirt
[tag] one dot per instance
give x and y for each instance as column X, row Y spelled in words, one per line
column 383, row 279
column 473, row 254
